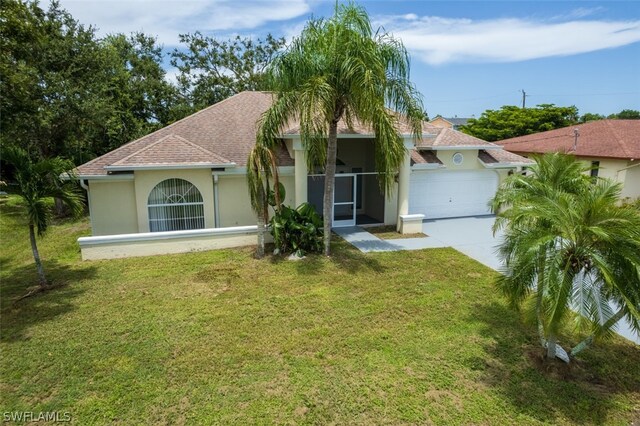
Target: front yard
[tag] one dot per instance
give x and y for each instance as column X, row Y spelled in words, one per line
column 219, row 337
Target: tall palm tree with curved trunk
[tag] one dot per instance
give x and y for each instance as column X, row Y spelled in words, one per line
column 340, row 69
column 38, row 182
column 569, row 245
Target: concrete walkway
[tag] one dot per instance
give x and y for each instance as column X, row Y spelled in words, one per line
column 367, row 242
column 469, row 235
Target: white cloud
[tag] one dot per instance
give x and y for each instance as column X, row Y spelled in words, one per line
column 166, row 19
column 437, row 40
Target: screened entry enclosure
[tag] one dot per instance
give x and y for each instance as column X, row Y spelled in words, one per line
column 357, row 198
column 175, row 205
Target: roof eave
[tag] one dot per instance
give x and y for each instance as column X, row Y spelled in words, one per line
column 457, row 147
column 168, row 167
column 427, row 166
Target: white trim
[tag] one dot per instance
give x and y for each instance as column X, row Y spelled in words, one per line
column 169, row 167
column 351, row 222
column 287, row 170
column 106, row 177
column 167, row 235
column 503, row 165
column 456, row 148
column 428, row 166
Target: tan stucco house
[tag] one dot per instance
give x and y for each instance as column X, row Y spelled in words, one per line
column 611, row 147
column 451, row 123
column 188, row 180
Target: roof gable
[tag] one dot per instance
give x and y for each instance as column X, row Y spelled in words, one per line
column 171, row 150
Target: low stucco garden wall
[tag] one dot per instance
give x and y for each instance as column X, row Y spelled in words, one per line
column 157, row 243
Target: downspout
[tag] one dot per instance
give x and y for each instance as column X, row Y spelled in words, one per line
column 216, row 209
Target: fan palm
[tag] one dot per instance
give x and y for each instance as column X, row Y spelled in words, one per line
column 339, row 69
column 38, row 181
column 568, row 245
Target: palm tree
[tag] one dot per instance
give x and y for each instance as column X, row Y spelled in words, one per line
column 568, row 245
column 339, row 69
column 38, row 182
column 261, row 167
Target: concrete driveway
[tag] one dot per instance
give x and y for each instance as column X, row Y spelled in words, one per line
column 469, row 235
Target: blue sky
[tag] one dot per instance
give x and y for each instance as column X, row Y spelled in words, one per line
column 467, row 56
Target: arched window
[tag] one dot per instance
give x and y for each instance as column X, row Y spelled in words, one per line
column 174, row 205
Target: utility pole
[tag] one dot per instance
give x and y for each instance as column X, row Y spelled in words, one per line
column 524, row 97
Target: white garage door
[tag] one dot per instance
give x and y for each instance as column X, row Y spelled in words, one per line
column 438, row 194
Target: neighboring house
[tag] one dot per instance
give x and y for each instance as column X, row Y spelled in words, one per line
column 192, row 174
column 611, row 147
column 450, row 123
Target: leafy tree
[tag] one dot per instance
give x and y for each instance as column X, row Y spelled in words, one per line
column 340, row 69
column 212, row 70
column 37, row 183
column 68, row 93
column 626, row 114
column 567, row 244
column 511, row 121
column 591, row 117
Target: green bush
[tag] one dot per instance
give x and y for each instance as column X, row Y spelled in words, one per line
column 297, row 230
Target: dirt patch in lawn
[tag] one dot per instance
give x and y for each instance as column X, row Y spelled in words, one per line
column 388, row 232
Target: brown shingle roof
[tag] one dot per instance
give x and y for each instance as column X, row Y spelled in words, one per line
column 450, row 137
column 169, row 151
column 226, row 130
column 497, row 156
column 225, row 133
column 357, row 128
column 601, row 138
column 424, row 157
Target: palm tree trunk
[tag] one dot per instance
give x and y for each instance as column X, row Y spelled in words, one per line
column 589, row 340
column 329, row 177
column 261, row 230
column 36, row 256
column 263, row 217
column 539, row 299
column 551, row 346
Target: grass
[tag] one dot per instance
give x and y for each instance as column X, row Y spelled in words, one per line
column 219, row 337
column 388, row 232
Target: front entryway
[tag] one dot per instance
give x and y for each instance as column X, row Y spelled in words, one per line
column 357, row 198
column 344, row 200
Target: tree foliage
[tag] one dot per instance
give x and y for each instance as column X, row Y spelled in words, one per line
column 511, row 121
column 625, row 114
column 211, row 69
column 68, row 93
column 569, row 245
column 340, row 69
column 38, row 182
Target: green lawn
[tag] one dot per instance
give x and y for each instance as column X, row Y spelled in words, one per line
column 219, row 337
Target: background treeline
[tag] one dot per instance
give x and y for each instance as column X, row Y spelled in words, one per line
column 67, row 92
column 511, row 121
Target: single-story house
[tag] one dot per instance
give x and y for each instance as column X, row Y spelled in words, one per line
column 191, row 175
column 451, row 122
column 611, row 147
